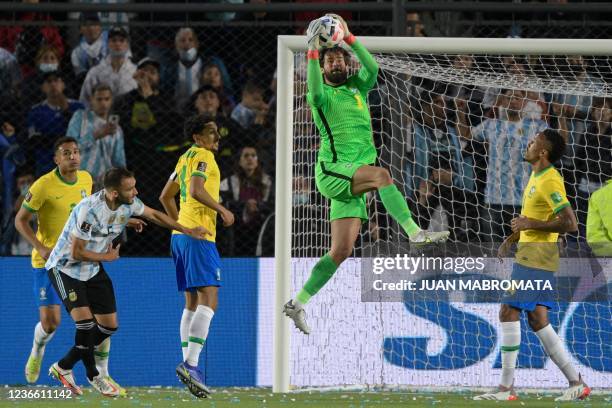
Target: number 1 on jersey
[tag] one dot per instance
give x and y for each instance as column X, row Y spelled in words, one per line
column 359, row 102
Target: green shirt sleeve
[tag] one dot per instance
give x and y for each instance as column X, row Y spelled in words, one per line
column 366, row 78
column 316, row 96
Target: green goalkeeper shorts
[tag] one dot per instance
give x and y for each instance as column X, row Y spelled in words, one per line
column 334, row 181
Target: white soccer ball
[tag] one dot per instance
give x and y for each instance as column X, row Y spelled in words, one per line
column 331, row 33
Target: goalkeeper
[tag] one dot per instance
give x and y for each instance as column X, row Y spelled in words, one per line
column 344, row 170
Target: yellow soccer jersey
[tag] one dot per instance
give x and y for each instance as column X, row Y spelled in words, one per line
column 197, row 162
column 543, row 198
column 53, row 198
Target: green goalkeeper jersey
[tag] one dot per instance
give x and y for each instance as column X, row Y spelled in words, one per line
column 341, row 113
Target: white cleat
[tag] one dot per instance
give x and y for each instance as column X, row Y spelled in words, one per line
column 499, row 395
column 575, row 392
column 65, row 377
column 426, row 237
column 103, row 386
column 298, row 315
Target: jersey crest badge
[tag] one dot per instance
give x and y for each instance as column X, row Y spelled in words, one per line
column 85, row 226
column 202, row 166
column 28, row 197
column 556, row 197
column 83, row 193
column 43, row 294
column 72, row 296
column 531, row 191
column 354, row 90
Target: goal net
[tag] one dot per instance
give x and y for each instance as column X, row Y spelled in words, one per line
column 452, row 128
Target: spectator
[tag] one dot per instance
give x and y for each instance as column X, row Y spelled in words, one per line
column 594, row 156
column 93, row 45
column 414, row 25
column 116, row 70
column 206, row 101
column 146, row 117
column 184, row 76
column 435, row 134
column 439, row 190
column 507, row 173
column 576, row 109
column 10, row 75
column 47, row 60
column 252, row 109
column 247, row 194
column 19, row 245
column 253, row 115
column 99, row 135
column 25, row 38
column 12, row 156
column 211, row 75
column 48, row 120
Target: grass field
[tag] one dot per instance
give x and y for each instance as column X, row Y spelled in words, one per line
column 263, row 397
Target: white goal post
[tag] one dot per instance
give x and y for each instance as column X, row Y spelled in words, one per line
column 288, row 46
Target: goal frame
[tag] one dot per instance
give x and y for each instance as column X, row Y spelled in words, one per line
column 287, row 46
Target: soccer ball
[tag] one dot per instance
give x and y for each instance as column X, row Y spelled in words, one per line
column 331, row 33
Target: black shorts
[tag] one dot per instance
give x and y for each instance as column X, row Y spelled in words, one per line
column 96, row 293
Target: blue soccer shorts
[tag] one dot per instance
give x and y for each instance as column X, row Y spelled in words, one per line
column 197, row 263
column 44, row 292
column 528, row 299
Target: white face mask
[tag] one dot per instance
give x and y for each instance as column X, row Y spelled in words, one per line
column 48, row 67
column 118, row 54
column 189, row 55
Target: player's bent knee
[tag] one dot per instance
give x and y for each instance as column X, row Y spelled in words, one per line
column 340, row 254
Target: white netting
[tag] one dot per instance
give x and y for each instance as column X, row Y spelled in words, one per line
column 451, row 129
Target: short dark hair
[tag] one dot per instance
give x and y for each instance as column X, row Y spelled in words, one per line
column 114, row 177
column 101, row 87
column 345, row 54
column 62, row 140
column 557, row 145
column 252, row 87
column 196, row 125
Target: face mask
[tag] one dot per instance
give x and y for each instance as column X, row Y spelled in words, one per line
column 92, row 50
column 47, row 67
column 117, row 54
column 189, row 55
column 24, row 189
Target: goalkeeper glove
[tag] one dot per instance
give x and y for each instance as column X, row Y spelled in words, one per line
column 312, row 34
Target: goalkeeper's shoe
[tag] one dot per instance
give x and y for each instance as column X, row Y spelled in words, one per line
column 426, row 237
column 575, row 392
column 192, row 378
column 298, row 315
column 122, row 391
column 32, row 369
column 65, row 377
column 103, row 386
column 501, row 394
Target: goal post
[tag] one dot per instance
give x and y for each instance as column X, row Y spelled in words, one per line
column 291, row 46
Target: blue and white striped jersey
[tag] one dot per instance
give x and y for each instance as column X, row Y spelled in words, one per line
column 507, row 172
column 91, row 220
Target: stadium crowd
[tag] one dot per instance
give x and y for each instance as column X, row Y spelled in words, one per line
column 124, row 94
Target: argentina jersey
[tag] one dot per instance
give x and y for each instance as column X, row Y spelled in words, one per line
column 92, row 221
column 507, row 172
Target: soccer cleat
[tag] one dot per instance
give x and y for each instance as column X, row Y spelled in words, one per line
column 498, row 395
column 426, row 237
column 298, row 315
column 575, row 392
column 122, row 391
column 65, row 377
column 103, row 386
column 32, row 369
column 192, row 378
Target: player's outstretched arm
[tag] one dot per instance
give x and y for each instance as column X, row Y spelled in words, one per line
column 199, row 193
column 369, row 67
column 314, row 77
column 22, row 224
column 171, row 189
column 165, row 221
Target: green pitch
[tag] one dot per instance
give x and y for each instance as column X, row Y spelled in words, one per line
column 263, row 397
